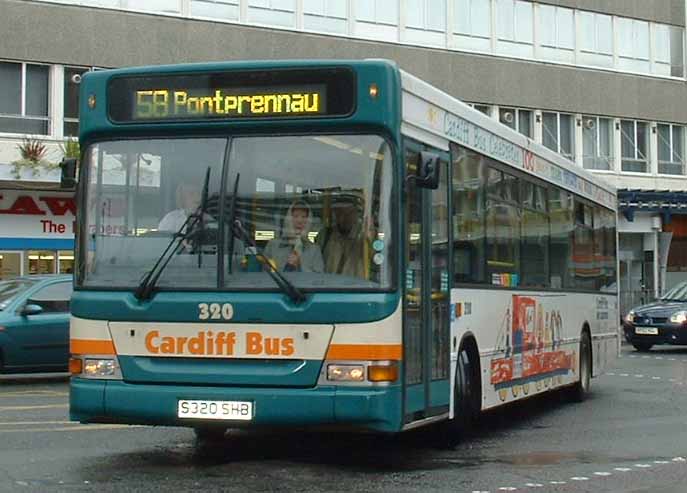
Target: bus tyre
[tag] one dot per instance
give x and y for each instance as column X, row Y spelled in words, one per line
column 466, row 395
column 642, row 347
column 580, row 391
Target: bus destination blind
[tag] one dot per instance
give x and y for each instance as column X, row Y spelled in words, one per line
column 226, row 96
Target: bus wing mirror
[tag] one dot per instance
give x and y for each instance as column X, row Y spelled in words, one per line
column 68, row 172
column 428, row 171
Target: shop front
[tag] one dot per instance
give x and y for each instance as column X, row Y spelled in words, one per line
column 36, row 232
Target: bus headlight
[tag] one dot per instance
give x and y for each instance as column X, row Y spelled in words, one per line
column 346, row 373
column 100, row 368
column 679, row 317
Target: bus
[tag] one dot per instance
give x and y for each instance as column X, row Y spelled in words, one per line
column 326, row 243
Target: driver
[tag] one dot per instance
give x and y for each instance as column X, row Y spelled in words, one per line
column 187, row 200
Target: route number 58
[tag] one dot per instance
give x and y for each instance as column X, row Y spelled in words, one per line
column 215, row 311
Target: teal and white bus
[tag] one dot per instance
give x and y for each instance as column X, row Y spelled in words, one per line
column 306, row 243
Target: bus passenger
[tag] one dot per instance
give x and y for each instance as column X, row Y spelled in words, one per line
column 343, row 244
column 187, row 200
column 293, row 251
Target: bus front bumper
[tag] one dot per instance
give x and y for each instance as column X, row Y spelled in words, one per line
column 112, row 401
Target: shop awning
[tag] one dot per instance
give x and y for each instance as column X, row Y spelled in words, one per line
column 664, row 202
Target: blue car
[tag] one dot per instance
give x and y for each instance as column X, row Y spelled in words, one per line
column 662, row 322
column 34, row 324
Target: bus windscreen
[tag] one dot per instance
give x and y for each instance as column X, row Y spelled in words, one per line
column 231, row 95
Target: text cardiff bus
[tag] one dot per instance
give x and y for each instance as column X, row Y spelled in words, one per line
column 306, row 243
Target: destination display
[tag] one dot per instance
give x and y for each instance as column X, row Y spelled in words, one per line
column 232, row 95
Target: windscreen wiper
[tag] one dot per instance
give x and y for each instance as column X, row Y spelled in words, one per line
column 198, row 239
column 232, row 218
column 147, row 284
column 284, row 284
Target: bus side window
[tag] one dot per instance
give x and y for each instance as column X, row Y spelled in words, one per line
column 467, row 216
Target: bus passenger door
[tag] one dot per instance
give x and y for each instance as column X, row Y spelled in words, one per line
column 426, row 297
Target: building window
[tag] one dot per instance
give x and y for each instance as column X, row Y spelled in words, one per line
column 515, row 28
column 633, row 45
column 425, row 22
column 670, row 149
column 325, row 15
column 163, row 6
column 472, row 24
column 272, row 12
column 596, row 40
column 482, row 108
column 668, row 58
column 558, row 134
column 634, row 146
column 597, row 142
column 517, row 119
column 429, row 15
column 215, row 9
column 377, row 11
column 557, row 33
column 24, row 95
column 376, row 19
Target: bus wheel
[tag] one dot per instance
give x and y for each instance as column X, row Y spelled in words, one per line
column 208, row 434
column 580, row 390
column 642, row 347
column 466, row 394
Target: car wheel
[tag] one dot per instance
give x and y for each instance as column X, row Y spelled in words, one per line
column 466, row 395
column 580, row 391
column 642, row 347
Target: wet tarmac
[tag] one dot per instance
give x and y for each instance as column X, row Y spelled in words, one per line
column 631, row 435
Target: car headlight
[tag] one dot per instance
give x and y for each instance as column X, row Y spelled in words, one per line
column 679, row 317
column 630, row 317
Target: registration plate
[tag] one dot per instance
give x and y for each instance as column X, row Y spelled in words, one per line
column 223, row 410
column 646, row 331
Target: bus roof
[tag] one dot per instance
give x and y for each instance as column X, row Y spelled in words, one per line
column 434, row 116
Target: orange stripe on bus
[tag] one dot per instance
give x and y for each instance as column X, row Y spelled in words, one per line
column 88, row 346
column 365, row 351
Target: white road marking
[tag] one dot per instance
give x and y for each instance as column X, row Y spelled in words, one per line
column 643, row 466
column 34, row 393
column 534, row 485
column 602, row 473
column 622, row 469
column 638, row 375
column 655, row 378
column 679, row 459
column 579, row 478
column 661, row 462
column 18, row 423
column 624, row 374
column 29, row 408
column 558, row 482
column 507, row 488
column 76, row 427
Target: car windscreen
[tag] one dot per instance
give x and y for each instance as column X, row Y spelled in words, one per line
column 9, row 290
column 677, row 293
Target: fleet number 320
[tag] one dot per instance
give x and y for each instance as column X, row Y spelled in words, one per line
column 215, row 311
